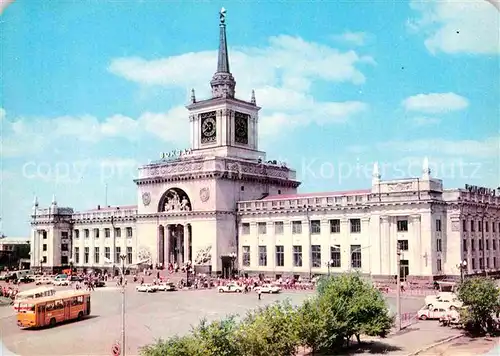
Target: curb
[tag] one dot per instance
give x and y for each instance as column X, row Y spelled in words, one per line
column 428, row 347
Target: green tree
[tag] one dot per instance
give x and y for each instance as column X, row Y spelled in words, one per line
column 174, row 346
column 349, row 306
column 269, row 331
column 217, row 338
column 310, row 324
column 481, row 298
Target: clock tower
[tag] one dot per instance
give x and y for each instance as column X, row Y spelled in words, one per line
column 224, row 125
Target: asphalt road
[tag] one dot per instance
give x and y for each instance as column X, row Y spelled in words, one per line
column 148, row 317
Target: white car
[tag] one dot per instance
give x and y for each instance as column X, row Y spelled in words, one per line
column 444, row 299
column 43, row 280
column 61, row 282
column 148, row 288
column 268, row 288
column 167, row 287
column 230, row 288
column 432, row 313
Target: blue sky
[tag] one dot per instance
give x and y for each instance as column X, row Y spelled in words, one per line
column 93, row 89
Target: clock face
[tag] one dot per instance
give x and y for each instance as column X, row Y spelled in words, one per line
column 208, row 127
column 241, row 128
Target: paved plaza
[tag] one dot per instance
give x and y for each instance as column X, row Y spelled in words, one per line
column 149, row 317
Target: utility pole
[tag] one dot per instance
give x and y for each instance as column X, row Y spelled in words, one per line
column 123, row 256
column 398, row 293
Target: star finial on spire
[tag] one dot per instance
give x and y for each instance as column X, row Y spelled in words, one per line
column 426, row 171
column 252, row 100
column 193, row 96
column 222, row 15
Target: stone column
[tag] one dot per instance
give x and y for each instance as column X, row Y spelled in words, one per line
column 366, row 254
column 345, row 245
column 254, row 247
column 186, row 243
column 271, row 247
column 168, row 237
column 386, row 246
column 416, row 246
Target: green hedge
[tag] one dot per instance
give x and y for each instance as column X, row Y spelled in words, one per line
column 344, row 306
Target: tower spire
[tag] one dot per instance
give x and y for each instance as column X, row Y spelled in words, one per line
column 222, row 82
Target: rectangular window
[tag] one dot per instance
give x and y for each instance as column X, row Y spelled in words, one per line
column 129, row 232
column 118, row 232
column 481, row 263
column 86, row 233
column 473, row 263
column 316, row 255
column 44, row 247
column 335, row 256
column 246, row 256
column 107, row 233
column 64, row 234
column 494, row 242
column 280, row 256
column 296, row 227
column 129, row 255
column 494, row 262
column 355, row 225
column 472, row 226
column 464, row 245
column 439, row 266
column 262, row 228
column 64, row 247
column 278, row 228
column 480, row 245
column 64, row 260
column 118, row 252
column 44, row 259
column 77, row 234
column 402, row 225
column 315, row 227
column 96, row 233
column 438, row 225
column 403, row 245
column 96, row 254
column 245, row 229
column 107, row 253
column 493, row 227
column 356, row 256
column 77, row 255
column 297, row 256
column 263, row 256
column 439, row 245
column 487, row 262
column 473, row 245
column 486, row 226
column 86, row 255
column 44, row 234
column 479, row 226
column 335, row 226
column 487, row 245
column 464, row 225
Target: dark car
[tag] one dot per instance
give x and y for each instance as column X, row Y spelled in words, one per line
column 27, row 279
column 75, row 278
column 100, row 283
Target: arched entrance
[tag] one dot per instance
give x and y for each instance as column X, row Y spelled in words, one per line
column 174, row 244
column 174, row 200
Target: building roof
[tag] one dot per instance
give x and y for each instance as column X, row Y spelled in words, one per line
column 318, row 195
column 109, row 208
column 14, row 240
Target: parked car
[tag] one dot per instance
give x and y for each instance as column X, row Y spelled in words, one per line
column 167, row 287
column 42, row 280
column 75, row 278
column 100, row 283
column 428, row 312
column 148, row 288
column 61, row 280
column 27, row 278
column 268, row 288
column 444, row 299
column 230, row 288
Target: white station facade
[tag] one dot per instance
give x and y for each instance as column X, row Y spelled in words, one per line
column 223, row 206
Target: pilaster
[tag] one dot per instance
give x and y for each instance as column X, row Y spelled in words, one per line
column 416, row 246
column 186, row 243
column 386, row 246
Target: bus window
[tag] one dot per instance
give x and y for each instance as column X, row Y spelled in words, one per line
column 26, row 308
column 80, row 300
column 59, row 304
column 49, row 306
column 41, row 308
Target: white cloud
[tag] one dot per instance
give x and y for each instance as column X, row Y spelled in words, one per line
column 425, row 121
column 457, row 26
column 24, row 136
column 354, row 38
column 435, row 103
column 487, row 148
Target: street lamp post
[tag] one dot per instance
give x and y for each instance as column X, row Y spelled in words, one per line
column 398, row 293
column 233, row 258
column 329, row 264
column 122, row 257
column 462, row 265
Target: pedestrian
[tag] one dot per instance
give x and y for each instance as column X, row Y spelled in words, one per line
column 259, row 292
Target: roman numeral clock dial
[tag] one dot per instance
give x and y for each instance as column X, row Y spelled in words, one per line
column 208, row 127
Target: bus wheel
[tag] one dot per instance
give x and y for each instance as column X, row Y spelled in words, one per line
column 80, row 315
column 52, row 322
